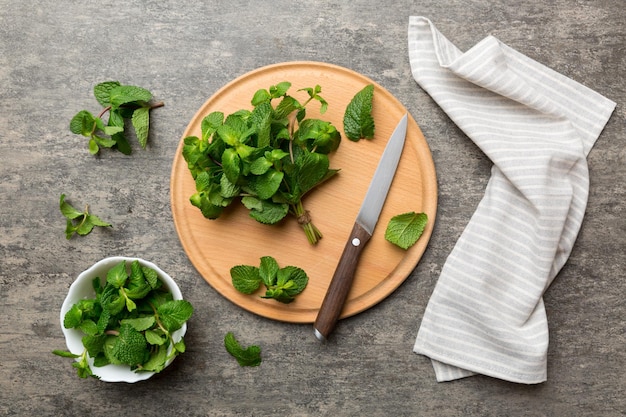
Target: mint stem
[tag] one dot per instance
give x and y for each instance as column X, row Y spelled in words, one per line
column 312, row 233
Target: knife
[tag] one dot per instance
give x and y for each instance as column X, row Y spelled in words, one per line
column 361, row 233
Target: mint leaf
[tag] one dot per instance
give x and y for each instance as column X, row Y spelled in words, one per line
column 279, row 89
column 155, row 337
column 73, row 317
column 245, row 278
column 140, row 323
column 173, row 314
column 265, row 211
column 67, row 210
column 82, row 123
column 268, row 270
column 117, row 275
column 125, row 94
column 358, row 122
column 102, row 92
column 65, row 354
column 405, row 229
column 141, row 123
column 250, row 356
column 211, row 123
column 157, row 360
column 266, row 185
column 130, row 347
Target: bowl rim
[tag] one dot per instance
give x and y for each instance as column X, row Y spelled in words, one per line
column 77, row 290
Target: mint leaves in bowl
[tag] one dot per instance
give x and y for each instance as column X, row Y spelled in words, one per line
column 124, row 320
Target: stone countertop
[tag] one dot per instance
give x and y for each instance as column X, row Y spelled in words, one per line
column 53, row 53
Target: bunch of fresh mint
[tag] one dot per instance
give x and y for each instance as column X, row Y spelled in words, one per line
column 129, row 322
column 269, row 157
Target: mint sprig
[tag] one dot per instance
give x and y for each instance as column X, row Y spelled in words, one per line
column 250, row 356
column 79, row 222
column 122, row 102
column 282, row 284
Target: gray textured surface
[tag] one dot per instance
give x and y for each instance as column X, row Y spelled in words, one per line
column 53, row 52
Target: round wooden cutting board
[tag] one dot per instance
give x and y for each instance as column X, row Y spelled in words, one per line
column 215, row 246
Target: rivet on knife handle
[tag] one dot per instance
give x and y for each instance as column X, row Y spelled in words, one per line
column 341, row 283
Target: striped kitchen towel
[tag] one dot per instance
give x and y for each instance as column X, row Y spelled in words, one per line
column 486, row 314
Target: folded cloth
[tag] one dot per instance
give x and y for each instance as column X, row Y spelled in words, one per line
column 486, row 314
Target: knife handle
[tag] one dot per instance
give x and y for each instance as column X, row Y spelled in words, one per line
column 341, row 283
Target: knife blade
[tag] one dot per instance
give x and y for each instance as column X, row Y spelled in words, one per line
column 361, row 233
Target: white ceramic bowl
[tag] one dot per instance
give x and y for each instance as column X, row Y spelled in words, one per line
column 82, row 288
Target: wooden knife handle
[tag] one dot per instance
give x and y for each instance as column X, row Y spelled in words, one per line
column 341, row 283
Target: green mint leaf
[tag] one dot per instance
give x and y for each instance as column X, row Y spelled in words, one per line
column 211, row 123
column 141, row 124
column 267, row 184
column 82, row 123
column 245, row 278
column 117, row 275
column 231, row 163
column 93, row 147
column 279, row 89
column 262, row 121
column 358, row 122
column 103, row 142
column 112, row 300
column 103, row 320
column 260, row 96
column 73, row 317
column 250, row 356
column 260, row 166
column 137, row 287
column 268, row 270
column 140, row 323
column 311, row 168
column 405, row 229
column 94, row 344
column 319, row 135
column 173, row 314
column 151, row 277
column 265, row 211
column 102, row 92
column 157, row 360
column 67, row 210
column 180, row 346
column 89, row 327
column 130, row 346
column 112, row 130
column 155, row 337
column 293, row 279
column 65, row 354
column 97, row 221
column 286, row 106
column 228, row 189
column 125, row 94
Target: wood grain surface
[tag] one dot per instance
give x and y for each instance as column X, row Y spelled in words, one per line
column 215, row 246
